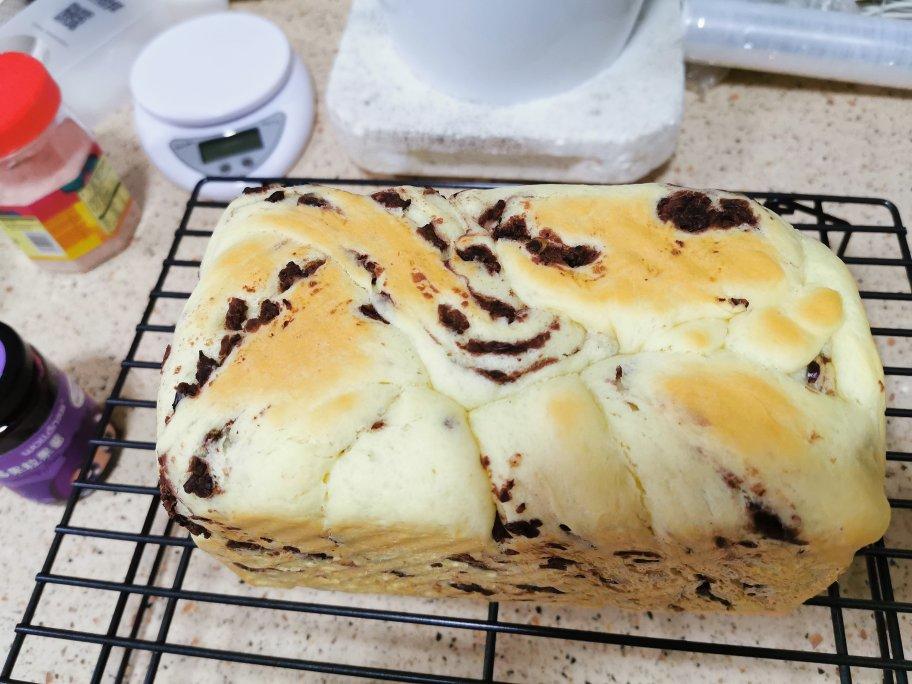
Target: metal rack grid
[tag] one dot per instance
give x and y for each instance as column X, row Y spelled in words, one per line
column 143, row 581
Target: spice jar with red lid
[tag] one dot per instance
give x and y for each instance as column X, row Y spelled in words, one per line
column 61, row 201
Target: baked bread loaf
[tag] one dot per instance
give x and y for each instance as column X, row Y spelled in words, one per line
column 642, row 395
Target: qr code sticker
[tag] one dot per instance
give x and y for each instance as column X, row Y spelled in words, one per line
column 74, row 15
column 44, row 243
column 109, row 5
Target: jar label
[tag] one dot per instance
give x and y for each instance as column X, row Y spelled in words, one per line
column 44, row 465
column 74, row 220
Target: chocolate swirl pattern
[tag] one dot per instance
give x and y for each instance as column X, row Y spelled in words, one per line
column 640, row 395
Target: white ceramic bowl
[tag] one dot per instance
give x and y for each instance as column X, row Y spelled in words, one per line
column 508, row 51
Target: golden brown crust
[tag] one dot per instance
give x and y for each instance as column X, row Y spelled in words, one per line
column 641, row 395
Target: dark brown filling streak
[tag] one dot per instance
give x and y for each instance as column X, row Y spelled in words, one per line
column 391, row 199
column 496, row 308
column 504, row 492
column 704, row 590
column 268, row 311
column 534, row 588
column 369, row 311
column 637, row 554
column 471, row 587
column 490, row 217
column 235, row 545
column 249, row 568
column 694, row 212
column 452, row 318
column 244, row 545
column 522, row 528
column 228, row 343
column 311, row 556
column 169, row 503
column 514, row 228
column 502, row 378
column 184, row 390
column 499, row 532
column 483, row 255
column 253, row 190
column 309, row 199
column 764, row 521
column 548, row 249
column 200, row 481
column 557, row 563
column 768, row 524
column 237, row 314
column 429, row 233
column 204, row 368
column 292, row 272
column 479, row 347
column 216, row 434
column 469, row 559
column 371, row 267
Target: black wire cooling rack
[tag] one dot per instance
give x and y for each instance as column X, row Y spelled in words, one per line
column 132, row 632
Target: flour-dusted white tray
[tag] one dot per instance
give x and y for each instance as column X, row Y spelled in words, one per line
column 614, row 128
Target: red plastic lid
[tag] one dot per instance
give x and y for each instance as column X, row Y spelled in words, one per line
column 30, row 100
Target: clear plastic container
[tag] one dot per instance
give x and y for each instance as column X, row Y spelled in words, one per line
column 798, row 40
column 61, row 202
column 89, row 46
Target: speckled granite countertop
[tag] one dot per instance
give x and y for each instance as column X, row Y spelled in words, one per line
column 753, row 131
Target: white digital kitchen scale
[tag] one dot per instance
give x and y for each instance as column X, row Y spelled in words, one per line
column 222, row 95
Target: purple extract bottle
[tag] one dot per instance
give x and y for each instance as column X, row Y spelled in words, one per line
column 46, row 421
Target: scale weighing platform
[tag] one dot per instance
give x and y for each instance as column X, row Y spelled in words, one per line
column 222, row 95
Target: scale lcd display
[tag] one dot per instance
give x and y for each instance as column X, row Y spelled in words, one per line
column 230, row 145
